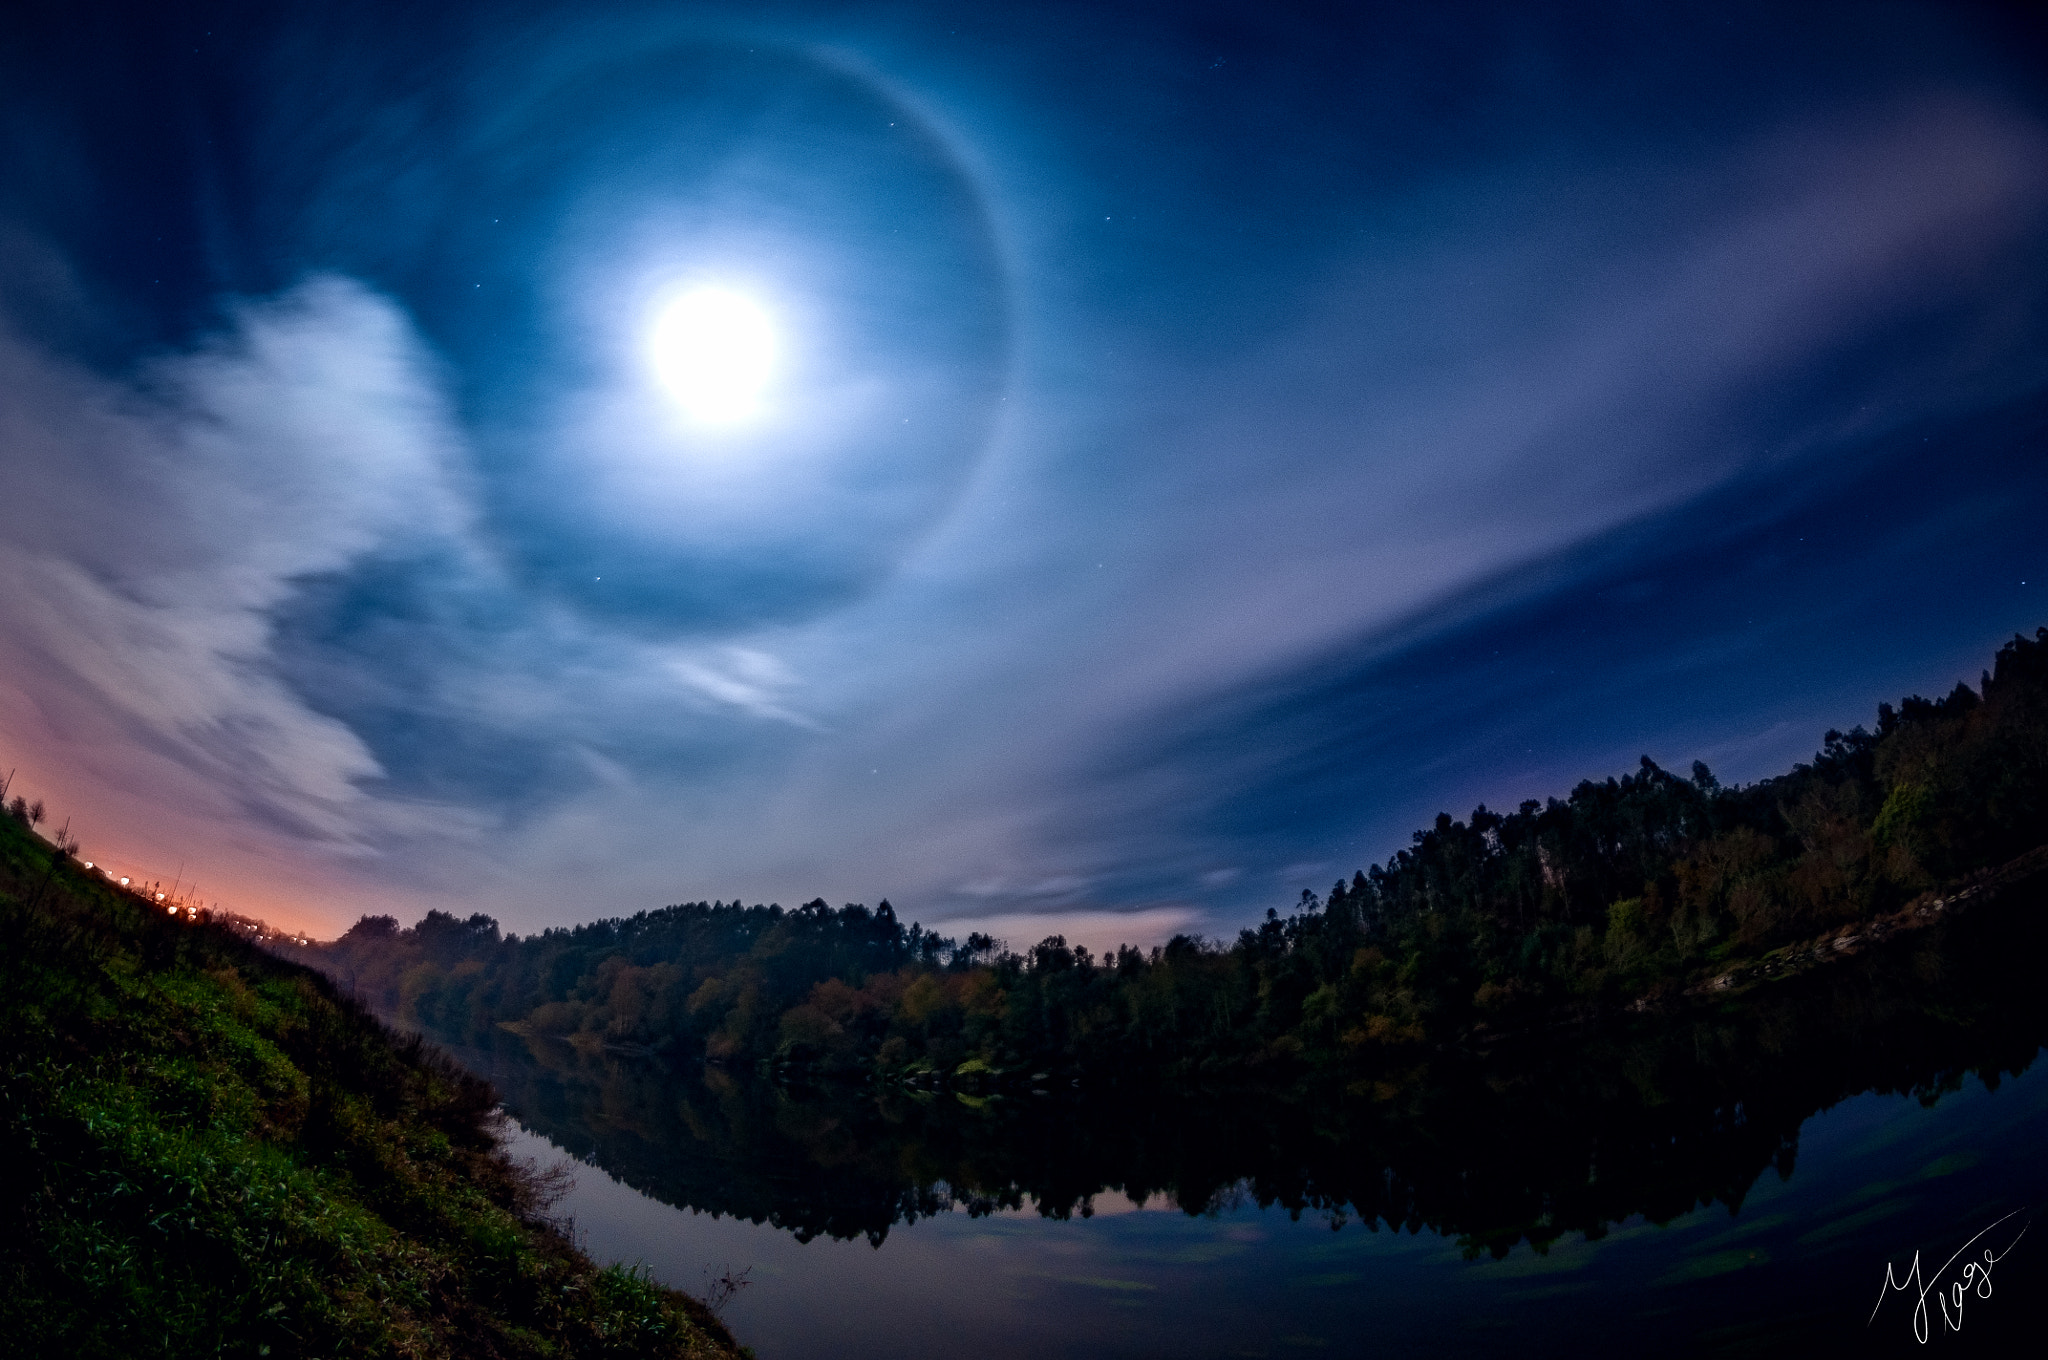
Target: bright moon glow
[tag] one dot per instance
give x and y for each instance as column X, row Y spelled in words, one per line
column 714, row 351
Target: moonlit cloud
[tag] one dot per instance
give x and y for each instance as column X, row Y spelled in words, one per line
column 174, row 513
column 749, row 680
column 1420, row 485
column 1166, row 492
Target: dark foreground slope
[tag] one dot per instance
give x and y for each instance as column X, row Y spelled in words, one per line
column 208, row 1151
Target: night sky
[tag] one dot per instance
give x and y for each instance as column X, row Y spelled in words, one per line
column 1141, row 461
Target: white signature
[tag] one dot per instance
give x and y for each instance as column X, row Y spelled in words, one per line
column 1975, row 1278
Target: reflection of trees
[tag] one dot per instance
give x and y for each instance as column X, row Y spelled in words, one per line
column 1570, row 1133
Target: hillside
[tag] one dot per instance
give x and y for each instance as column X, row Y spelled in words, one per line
column 210, row 1152
column 1629, row 893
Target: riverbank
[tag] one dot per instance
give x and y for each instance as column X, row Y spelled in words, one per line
column 1847, row 941
column 213, row 1152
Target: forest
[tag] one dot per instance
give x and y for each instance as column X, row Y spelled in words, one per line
column 1652, row 1115
column 1623, row 895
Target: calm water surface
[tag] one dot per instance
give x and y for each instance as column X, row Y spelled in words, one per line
column 1728, row 1183
column 1801, row 1263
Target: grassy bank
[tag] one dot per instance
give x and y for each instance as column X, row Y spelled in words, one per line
column 210, row 1151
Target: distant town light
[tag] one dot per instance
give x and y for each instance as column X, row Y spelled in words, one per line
column 88, row 864
column 174, row 911
column 124, row 882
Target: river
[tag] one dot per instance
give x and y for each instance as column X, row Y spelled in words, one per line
column 1720, row 1182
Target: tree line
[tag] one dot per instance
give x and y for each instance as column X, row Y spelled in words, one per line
column 1652, row 1116
column 1627, row 890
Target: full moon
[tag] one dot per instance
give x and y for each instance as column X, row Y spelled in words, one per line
column 714, row 350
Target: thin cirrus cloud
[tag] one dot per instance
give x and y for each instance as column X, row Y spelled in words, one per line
column 1431, row 441
column 291, row 604
column 1378, row 489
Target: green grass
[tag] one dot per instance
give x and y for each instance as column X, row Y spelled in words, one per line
column 210, row 1152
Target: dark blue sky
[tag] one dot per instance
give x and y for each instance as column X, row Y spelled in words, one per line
column 1199, row 443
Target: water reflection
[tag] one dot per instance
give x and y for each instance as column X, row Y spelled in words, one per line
column 1570, row 1133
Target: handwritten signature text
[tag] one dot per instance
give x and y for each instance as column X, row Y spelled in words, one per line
column 1950, row 1291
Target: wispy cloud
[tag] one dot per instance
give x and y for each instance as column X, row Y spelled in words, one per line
column 328, row 593
column 744, row 678
column 172, row 514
